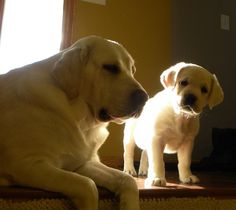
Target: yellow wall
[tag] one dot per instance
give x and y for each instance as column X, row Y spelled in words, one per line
column 143, row 27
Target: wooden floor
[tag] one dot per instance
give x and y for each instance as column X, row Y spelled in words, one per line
column 213, row 184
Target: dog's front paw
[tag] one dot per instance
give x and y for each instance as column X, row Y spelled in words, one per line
column 189, row 179
column 161, row 182
column 129, row 193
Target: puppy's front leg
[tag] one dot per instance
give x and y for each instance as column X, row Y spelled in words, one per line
column 129, row 146
column 156, row 169
column 143, row 167
column 116, row 181
column 184, row 157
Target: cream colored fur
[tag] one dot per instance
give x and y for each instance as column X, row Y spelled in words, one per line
column 54, row 118
column 169, row 122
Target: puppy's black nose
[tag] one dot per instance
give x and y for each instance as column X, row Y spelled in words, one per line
column 138, row 98
column 189, row 100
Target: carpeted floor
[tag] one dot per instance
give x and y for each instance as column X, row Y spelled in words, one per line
column 200, row 203
column 216, row 191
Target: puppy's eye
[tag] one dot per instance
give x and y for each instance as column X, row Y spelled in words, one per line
column 204, row 89
column 112, row 68
column 183, row 83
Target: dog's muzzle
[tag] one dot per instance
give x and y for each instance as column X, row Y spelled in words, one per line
column 189, row 100
column 188, row 104
column 137, row 100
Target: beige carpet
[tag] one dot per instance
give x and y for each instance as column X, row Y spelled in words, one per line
column 200, row 203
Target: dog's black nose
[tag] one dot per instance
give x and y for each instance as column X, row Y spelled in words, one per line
column 189, row 100
column 138, row 98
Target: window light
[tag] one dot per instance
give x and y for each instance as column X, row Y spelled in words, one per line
column 31, row 31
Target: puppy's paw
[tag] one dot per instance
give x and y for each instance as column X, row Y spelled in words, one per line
column 161, row 182
column 189, row 179
column 130, row 170
column 142, row 171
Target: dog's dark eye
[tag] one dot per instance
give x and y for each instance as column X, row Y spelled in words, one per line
column 114, row 69
column 204, row 89
column 183, row 83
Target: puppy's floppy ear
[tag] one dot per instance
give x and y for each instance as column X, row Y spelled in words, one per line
column 169, row 76
column 67, row 70
column 216, row 95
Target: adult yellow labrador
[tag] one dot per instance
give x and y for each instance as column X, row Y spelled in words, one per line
column 54, row 115
column 170, row 121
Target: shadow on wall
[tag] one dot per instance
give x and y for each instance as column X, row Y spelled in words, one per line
column 198, row 38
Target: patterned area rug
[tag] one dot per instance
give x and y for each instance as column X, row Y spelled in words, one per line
column 200, row 203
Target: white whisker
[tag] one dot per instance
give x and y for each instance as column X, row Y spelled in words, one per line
column 189, row 110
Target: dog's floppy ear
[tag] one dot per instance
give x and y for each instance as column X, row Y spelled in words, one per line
column 169, row 76
column 67, row 69
column 216, row 95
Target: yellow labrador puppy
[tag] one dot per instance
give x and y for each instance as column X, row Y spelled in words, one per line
column 170, row 121
column 54, row 115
